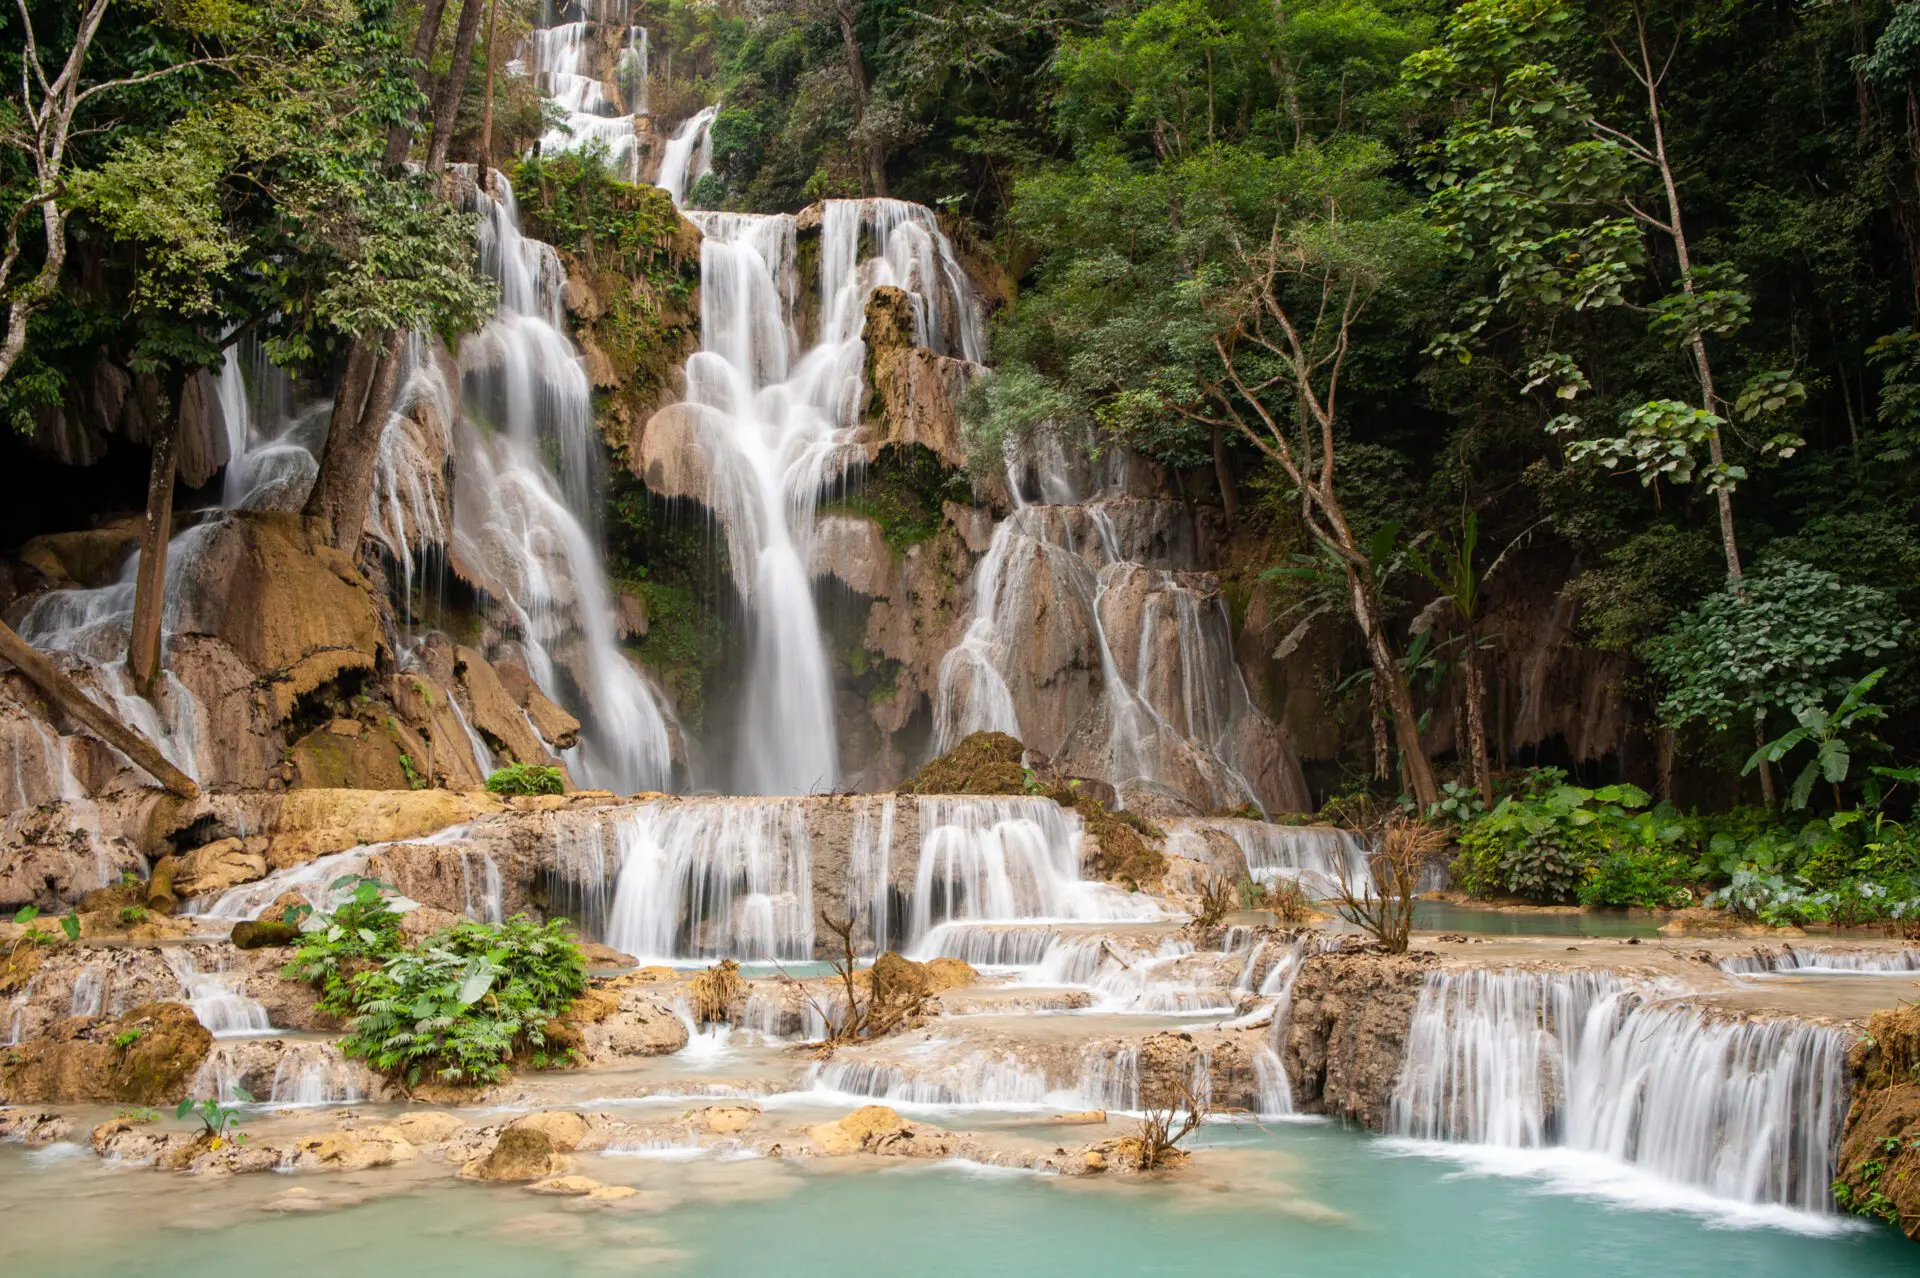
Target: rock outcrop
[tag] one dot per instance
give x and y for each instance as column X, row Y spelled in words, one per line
column 1348, row 1034
column 146, row 1057
column 1878, row 1167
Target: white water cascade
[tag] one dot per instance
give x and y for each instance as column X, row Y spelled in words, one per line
column 1171, row 711
column 776, row 416
column 688, row 156
column 1313, row 855
column 595, row 112
column 1744, row 1110
column 1002, row 860
column 1820, row 960
column 703, row 878
column 216, row 999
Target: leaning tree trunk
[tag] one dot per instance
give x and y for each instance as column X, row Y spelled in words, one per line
column 150, row 582
column 1476, row 719
column 400, row 135
column 1388, row 674
column 446, row 100
column 343, row 489
column 66, row 694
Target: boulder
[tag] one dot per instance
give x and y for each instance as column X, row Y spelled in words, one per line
column 355, row 1150
column 495, row 713
column 346, row 754
column 1347, row 1035
column 855, row 550
column 521, row 1153
column 33, row 1127
column 264, row 933
column 857, row 1132
column 672, row 458
column 563, row 1128
column 146, row 1057
column 214, row 867
column 727, row 1120
column 430, row 1127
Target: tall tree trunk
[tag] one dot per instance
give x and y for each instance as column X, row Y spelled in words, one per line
column 1476, row 690
column 1223, row 474
column 66, row 694
column 1378, row 719
column 486, row 113
column 845, row 13
column 150, row 581
column 344, row 487
column 1399, row 697
column 400, row 135
column 446, row 100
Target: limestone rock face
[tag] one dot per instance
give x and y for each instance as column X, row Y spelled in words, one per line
column 854, row 550
column 346, row 754
column 1880, row 1145
column 313, row 823
column 495, row 712
column 146, row 1057
column 672, row 456
column 1348, row 1035
column 296, row 611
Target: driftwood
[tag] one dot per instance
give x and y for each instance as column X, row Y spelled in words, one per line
column 66, row 694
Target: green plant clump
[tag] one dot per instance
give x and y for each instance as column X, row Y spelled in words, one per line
column 527, row 778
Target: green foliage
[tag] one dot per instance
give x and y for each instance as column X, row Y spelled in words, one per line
column 126, row 1038
column 904, row 490
column 220, row 1124
column 131, row 914
column 139, row 1114
column 1550, row 841
column 1827, row 732
column 363, row 930
column 464, row 1001
column 527, row 778
column 1786, row 637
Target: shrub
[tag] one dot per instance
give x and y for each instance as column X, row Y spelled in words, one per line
column 1550, row 841
column 1650, row 878
column 527, row 778
column 362, row 932
column 467, row 1000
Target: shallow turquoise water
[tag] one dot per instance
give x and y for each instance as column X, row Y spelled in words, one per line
column 1295, row 1200
column 1443, row 916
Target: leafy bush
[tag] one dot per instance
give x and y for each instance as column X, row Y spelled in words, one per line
column 466, row 1000
column 527, row 778
column 1651, row 878
column 363, row 931
column 1550, row 841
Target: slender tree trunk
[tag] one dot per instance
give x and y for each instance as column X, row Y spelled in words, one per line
column 876, row 164
column 150, row 581
column 66, row 694
column 1476, row 718
column 400, row 136
column 1223, row 474
column 486, row 113
column 446, row 100
column 1399, row 697
column 1377, row 720
column 344, row 487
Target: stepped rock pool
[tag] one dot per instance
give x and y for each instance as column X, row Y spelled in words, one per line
column 1296, row 1198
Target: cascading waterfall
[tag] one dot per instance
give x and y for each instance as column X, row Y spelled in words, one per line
column 1314, row 855
column 216, row 999
column 999, row 860
column 1175, row 703
column 312, row 1074
column 1747, row 1111
column 1819, row 960
column 704, row 878
column 777, row 419
column 688, row 156
column 595, row 113
column 481, row 893
column 869, row 858
column 524, row 529
column 312, row 880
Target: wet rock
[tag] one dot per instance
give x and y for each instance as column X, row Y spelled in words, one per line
column 34, row 1127
column 563, row 1129
column 1347, row 1037
column 641, row 1027
column 146, row 1057
column 1878, row 1166
column 571, row 1187
column 217, row 866
column 864, row 1129
column 123, row 1141
column 523, row 1153
column 346, row 754
column 430, row 1127
column 314, row 823
column 854, row 550
column 727, row 1120
column 265, row 933
column 495, row 713
column 672, row 457
column 355, row 1150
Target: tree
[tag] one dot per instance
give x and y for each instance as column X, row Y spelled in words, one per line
column 1786, row 638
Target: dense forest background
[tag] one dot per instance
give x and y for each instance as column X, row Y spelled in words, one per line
column 1457, row 314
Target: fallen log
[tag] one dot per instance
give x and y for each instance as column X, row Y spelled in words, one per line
column 66, row 694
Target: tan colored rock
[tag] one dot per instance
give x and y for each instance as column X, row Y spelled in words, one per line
column 429, row 708
column 593, row 1006
column 612, row 1193
column 853, row 549
column 563, row 1128
column 314, row 823
column 355, row 1150
column 726, row 1120
column 430, row 1127
column 521, row 1153
column 672, row 457
column 858, row 1131
column 217, row 866
column 918, row 395
column 146, row 1057
column 495, row 713
column 567, row 1186
column 296, row 611
column 632, row 615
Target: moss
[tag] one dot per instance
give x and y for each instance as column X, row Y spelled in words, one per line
column 903, row 491
column 983, row 763
column 1130, row 844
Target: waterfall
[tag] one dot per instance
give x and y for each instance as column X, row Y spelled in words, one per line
column 701, row 879
column 1315, row 855
column 978, row 1078
column 312, row 880
column 89, row 996
column 1819, row 959
column 482, row 896
column 868, row 862
column 1007, row 859
column 777, row 419
column 216, row 999
column 688, row 156
column 311, row 1074
column 525, row 529
column 562, row 58
column 1177, row 716
column 1745, row 1110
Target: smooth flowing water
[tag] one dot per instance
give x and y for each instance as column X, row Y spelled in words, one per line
column 1301, row 1201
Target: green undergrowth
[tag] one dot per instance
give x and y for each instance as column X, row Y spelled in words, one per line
column 903, row 491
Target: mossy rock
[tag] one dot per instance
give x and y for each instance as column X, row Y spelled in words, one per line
column 148, row 1056
column 983, row 763
column 261, row 934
